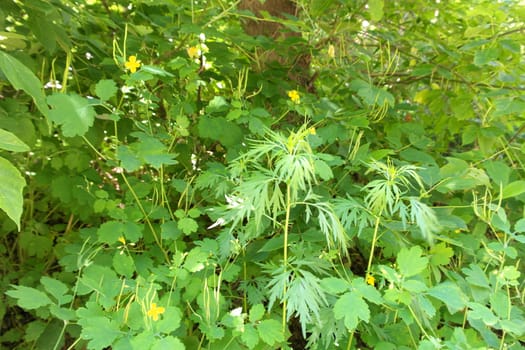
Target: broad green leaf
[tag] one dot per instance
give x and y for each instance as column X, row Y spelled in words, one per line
column 476, row 276
column 22, row 78
column 352, row 308
column 11, row 142
column 123, row 264
column 376, row 9
column 62, row 313
column 250, row 337
column 99, row 331
column 335, row 285
column 270, row 332
column 414, row 286
column 72, row 112
column 106, row 89
column 323, row 170
column 256, row 313
column 410, row 262
column 441, row 254
column 57, row 289
column 450, row 294
column 29, row 298
column 11, row 186
column 188, row 225
column 168, row 342
column 513, row 189
column 520, row 226
column 481, row 312
column 171, row 320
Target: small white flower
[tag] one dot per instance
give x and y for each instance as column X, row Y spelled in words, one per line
column 236, row 312
column 219, row 222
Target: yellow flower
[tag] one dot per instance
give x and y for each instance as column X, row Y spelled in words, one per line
column 155, row 311
column 331, row 51
column 370, row 280
column 294, row 96
column 122, row 240
column 312, row 131
column 132, row 64
column 193, row 52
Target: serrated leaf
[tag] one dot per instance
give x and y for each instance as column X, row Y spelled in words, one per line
column 11, row 142
column 256, row 313
column 441, row 254
column 171, row 319
column 57, row 289
column 62, row 313
column 106, row 89
column 414, row 286
column 334, row 285
column 187, row 225
column 168, row 342
column 250, row 337
column 352, row 308
column 450, row 294
column 11, row 188
column 481, row 312
column 99, row 331
column 29, row 298
column 72, row 112
column 22, row 78
column 410, row 262
column 270, row 332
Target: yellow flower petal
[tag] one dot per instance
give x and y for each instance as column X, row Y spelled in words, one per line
column 193, row 52
column 155, row 311
column 122, row 240
column 132, row 64
column 294, row 96
column 370, row 280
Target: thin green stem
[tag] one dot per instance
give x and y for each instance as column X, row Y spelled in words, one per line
column 285, row 250
column 374, row 240
column 146, row 217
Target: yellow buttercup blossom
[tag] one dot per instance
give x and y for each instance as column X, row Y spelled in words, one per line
column 312, row 131
column 132, row 64
column 370, row 280
column 193, row 52
column 122, row 240
column 155, row 311
column 294, row 96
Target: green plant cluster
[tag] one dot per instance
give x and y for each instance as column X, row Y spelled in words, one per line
column 165, row 184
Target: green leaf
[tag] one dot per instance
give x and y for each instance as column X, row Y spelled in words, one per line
column 323, row 170
column 441, row 254
column 123, row 264
column 481, row 312
column 57, row 289
column 188, row 225
column 256, row 313
column 171, row 320
column 23, row 79
column 29, row 298
column 410, row 262
column 513, row 189
column 99, row 331
column 72, row 112
column 11, row 186
column 11, row 142
column 376, row 9
column 352, row 308
column 250, row 337
column 106, row 89
column 168, row 342
column 450, row 294
column 270, row 332
column 335, row 285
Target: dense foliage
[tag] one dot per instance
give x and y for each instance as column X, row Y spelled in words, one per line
column 169, row 179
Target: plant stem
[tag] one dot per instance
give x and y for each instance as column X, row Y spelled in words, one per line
column 374, row 239
column 146, row 217
column 285, row 251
